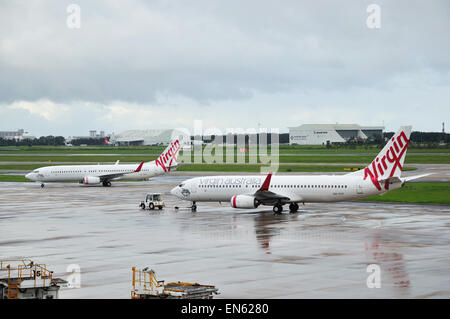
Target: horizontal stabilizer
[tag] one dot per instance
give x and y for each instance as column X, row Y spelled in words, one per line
column 410, row 178
column 388, row 181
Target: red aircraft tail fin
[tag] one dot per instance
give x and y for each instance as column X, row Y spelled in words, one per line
column 139, row 167
column 266, row 184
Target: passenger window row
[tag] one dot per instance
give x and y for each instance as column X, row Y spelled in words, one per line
column 220, row 186
column 99, row 171
column 276, row 186
column 308, row 186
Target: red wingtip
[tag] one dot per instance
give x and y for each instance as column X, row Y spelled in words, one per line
column 139, row 167
column 266, row 184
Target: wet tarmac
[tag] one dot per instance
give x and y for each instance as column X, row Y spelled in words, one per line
column 438, row 172
column 321, row 252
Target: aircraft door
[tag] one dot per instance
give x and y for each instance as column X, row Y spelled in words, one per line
column 359, row 189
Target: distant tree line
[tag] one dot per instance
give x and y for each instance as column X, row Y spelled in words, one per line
column 425, row 139
column 418, row 139
column 43, row 140
column 88, row 141
column 428, row 137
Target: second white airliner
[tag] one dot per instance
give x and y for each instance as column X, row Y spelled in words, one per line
column 104, row 174
column 382, row 175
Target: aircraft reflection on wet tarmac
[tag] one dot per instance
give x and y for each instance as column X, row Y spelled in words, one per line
column 382, row 250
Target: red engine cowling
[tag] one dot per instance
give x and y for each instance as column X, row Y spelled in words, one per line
column 91, row 180
column 244, row 201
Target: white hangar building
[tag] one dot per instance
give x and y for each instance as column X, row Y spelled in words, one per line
column 147, row 137
column 321, row 134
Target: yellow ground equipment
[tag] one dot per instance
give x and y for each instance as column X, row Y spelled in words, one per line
column 146, row 286
column 23, row 279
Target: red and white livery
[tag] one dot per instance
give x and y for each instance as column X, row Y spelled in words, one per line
column 382, row 175
column 104, row 174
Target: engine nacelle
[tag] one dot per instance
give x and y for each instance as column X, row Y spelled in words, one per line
column 244, row 201
column 91, row 180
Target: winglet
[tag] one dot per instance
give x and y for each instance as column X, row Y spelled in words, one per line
column 266, row 184
column 139, row 167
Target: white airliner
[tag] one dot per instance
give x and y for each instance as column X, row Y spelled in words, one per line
column 96, row 174
column 382, row 175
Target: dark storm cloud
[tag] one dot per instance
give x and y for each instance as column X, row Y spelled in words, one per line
column 207, row 50
column 314, row 61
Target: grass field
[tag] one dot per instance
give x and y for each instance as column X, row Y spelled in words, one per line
column 324, row 155
column 257, row 168
column 224, row 167
column 21, row 178
column 425, row 193
column 13, row 178
column 283, row 149
column 410, row 159
column 287, row 149
column 81, row 149
column 363, row 159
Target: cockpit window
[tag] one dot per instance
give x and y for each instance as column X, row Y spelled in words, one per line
column 36, row 171
column 181, row 185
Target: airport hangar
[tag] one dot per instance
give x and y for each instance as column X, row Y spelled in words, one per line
column 322, row 134
column 145, row 137
column 306, row 134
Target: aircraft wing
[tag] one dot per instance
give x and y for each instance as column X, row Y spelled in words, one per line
column 265, row 196
column 108, row 177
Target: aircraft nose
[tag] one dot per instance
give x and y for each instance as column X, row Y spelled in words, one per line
column 175, row 191
column 28, row 176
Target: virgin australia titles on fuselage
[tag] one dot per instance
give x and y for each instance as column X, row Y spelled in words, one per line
column 382, row 175
column 96, row 174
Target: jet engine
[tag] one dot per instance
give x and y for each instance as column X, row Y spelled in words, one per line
column 91, row 180
column 244, row 201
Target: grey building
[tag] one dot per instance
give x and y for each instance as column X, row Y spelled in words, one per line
column 146, row 137
column 321, row 134
column 16, row 135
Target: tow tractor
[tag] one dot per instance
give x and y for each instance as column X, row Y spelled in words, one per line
column 152, row 201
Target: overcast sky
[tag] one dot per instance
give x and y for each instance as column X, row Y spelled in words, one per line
column 232, row 64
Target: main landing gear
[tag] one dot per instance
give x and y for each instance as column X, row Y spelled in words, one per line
column 278, row 208
column 293, row 207
column 107, row 184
